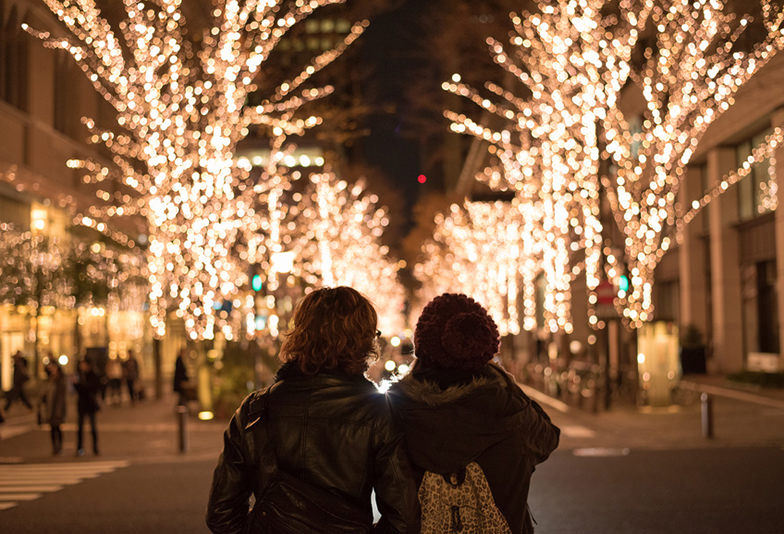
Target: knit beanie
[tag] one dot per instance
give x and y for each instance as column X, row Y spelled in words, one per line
column 455, row 332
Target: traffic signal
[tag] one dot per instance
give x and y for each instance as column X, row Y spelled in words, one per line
column 623, row 283
column 255, row 282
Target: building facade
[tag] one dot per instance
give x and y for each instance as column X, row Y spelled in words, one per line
column 43, row 97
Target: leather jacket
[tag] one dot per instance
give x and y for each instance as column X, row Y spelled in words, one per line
column 332, row 430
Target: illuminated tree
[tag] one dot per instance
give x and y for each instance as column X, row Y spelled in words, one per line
column 547, row 148
column 574, row 57
column 180, row 99
column 478, row 249
column 341, row 245
column 688, row 78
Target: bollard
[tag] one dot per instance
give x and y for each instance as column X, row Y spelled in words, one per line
column 706, row 403
column 182, row 430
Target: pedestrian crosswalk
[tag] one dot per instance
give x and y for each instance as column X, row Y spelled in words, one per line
column 27, row 482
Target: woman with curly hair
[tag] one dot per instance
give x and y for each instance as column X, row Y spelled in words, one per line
column 465, row 417
column 313, row 446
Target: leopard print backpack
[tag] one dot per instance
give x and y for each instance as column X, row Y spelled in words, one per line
column 460, row 503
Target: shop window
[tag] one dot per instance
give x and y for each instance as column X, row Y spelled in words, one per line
column 755, row 196
column 768, row 307
column 342, row 26
column 760, row 307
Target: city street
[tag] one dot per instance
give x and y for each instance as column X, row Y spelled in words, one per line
column 614, row 472
column 198, row 196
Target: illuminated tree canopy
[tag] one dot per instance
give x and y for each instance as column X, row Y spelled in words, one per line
column 567, row 143
column 180, row 99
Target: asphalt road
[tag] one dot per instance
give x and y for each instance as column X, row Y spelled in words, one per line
column 715, row 490
column 710, row 491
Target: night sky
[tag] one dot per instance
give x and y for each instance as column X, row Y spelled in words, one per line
column 389, row 47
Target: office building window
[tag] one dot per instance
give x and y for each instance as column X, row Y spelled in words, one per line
column 312, row 26
column 66, row 118
column 13, row 59
column 327, row 26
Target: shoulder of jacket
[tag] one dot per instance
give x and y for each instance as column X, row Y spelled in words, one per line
column 254, row 406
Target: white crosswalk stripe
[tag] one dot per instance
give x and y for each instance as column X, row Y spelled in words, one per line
column 27, row 482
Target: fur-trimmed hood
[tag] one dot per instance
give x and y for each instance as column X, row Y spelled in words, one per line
column 448, row 427
column 429, row 392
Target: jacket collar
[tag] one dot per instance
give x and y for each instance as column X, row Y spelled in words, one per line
column 289, row 371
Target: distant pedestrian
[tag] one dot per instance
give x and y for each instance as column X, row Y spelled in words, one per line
column 54, row 398
column 473, row 435
column 114, row 373
column 314, row 445
column 21, row 376
column 180, row 379
column 131, row 374
column 87, row 385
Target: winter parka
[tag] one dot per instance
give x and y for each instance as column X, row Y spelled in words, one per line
column 451, row 419
column 332, row 430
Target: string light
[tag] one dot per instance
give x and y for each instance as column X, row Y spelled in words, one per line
column 180, row 114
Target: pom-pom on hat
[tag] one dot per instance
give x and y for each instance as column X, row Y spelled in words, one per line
column 455, row 332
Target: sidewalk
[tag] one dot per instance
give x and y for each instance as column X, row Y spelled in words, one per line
column 742, row 418
column 142, row 433
column 721, row 386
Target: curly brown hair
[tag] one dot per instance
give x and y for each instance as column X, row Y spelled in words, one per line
column 334, row 328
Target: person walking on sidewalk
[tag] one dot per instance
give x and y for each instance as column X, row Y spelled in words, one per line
column 466, row 420
column 321, row 433
column 114, row 373
column 21, row 376
column 180, row 378
column 131, row 374
column 87, row 385
column 54, row 398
